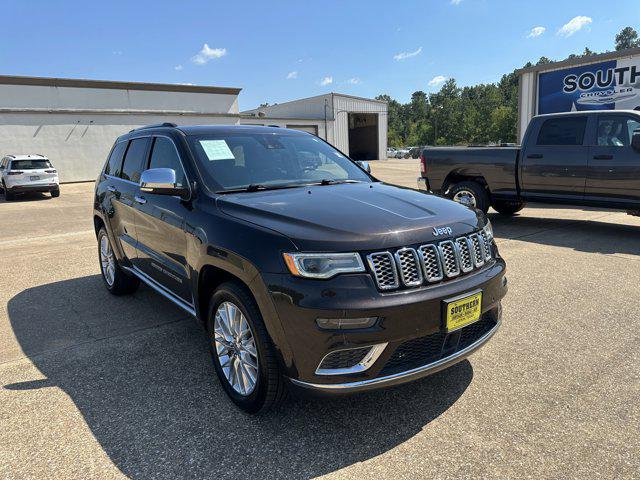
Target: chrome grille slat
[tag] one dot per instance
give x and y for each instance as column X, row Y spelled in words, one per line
column 430, row 259
column 449, row 257
column 384, row 269
column 409, row 267
column 430, row 263
column 464, row 253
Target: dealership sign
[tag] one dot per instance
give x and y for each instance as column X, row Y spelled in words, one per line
column 600, row 86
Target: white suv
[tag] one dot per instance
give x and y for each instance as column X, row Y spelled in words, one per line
column 28, row 173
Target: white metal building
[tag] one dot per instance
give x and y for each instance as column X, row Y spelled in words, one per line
column 356, row 126
column 75, row 122
column 599, row 82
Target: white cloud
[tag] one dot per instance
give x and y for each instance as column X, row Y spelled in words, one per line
column 292, row 75
column 536, row 32
column 207, row 53
column 405, row 55
column 326, row 81
column 574, row 25
column 117, row 52
column 455, row 2
column 178, row 67
column 354, row 81
column 437, row 81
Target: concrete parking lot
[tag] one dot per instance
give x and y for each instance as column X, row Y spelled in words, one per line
column 93, row 385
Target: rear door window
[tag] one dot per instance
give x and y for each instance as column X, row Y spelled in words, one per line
column 563, row 131
column 134, row 160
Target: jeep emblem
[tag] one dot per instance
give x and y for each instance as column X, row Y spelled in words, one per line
column 438, row 231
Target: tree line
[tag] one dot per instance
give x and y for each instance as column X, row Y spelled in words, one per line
column 479, row 114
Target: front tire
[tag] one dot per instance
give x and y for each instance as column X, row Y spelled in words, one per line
column 242, row 352
column 507, row 208
column 115, row 279
column 470, row 194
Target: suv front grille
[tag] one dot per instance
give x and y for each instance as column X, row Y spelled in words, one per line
column 431, row 263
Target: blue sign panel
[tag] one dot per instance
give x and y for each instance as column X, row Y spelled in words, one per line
column 600, row 86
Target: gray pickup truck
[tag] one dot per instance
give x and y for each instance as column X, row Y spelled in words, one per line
column 578, row 158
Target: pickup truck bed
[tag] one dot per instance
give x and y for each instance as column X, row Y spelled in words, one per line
column 579, row 158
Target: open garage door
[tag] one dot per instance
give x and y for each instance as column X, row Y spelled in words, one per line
column 363, row 136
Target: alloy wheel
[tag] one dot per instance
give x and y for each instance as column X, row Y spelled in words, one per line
column 465, row 197
column 236, row 348
column 107, row 260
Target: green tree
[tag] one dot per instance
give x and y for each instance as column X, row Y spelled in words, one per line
column 627, row 38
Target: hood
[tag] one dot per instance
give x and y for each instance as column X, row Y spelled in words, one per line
column 350, row 217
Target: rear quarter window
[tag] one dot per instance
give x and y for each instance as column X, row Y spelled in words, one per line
column 114, row 163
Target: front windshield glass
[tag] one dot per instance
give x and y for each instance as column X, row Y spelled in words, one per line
column 240, row 160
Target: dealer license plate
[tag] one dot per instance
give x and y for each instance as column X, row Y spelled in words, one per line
column 34, row 177
column 462, row 311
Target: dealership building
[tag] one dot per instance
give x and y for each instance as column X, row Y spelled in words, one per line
column 600, row 82
column 75, row 122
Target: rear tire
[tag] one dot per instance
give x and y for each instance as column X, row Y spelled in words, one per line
column 470, row 194
column 507, row 208
column 268, row 389
column 115, row 279
column 55, row 193
column 8, row 196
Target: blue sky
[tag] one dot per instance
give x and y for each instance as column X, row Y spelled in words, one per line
column 282, row 50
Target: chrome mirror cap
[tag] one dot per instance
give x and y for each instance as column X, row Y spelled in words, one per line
column 161, row 181
column 364, row 165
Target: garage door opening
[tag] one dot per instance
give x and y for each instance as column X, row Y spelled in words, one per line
column 363, row 136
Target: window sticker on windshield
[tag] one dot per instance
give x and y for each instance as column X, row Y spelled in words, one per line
column 217, row 150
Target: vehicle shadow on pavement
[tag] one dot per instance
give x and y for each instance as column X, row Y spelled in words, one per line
column 140, row 373
column 26, row 197
column 591, row 236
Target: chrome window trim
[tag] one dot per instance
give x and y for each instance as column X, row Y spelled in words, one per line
column 396, row 282
column 367, row 361
column 416, row 260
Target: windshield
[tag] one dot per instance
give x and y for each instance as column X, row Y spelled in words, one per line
column 233, row 161
column 30, row 164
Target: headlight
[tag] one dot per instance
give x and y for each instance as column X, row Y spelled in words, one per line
column 323, row 265
column 488, row 230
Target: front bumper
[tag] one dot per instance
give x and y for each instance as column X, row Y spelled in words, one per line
column 404, row 316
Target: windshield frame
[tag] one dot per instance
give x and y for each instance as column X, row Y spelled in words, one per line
column 216, row 188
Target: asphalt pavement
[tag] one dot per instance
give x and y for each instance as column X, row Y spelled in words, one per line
column 96, row 386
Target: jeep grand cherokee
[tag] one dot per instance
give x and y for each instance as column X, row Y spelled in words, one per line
column 305, row 270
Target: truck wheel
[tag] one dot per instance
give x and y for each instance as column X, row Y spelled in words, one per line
column 506, row 207
column 471, row 194
column 115, row 279
column 242, row 351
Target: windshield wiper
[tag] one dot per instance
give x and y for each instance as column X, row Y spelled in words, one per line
column 254, row 187
column 326, row 181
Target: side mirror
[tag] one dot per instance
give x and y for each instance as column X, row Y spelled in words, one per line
column 364, row 165
column 161, row 181
column 635, row 140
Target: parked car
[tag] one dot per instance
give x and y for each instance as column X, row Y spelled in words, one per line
column 578, row 158
column 414, row 152
column 391, row 152
column 324, row 280
column 402, row 153
column 28, row 173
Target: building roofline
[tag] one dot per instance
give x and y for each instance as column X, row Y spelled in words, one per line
column 116, row 85
column 571, row 62
column 314, row 97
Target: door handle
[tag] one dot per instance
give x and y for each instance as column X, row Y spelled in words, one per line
column 112, row 189
column 603, row 157
column 140, row 200
column 535, row 155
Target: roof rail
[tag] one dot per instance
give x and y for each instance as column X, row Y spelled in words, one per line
column 155, row 125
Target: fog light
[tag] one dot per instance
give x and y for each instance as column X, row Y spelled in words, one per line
column 346, row 323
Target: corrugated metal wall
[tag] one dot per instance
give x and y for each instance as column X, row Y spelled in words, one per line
column 343, row 105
